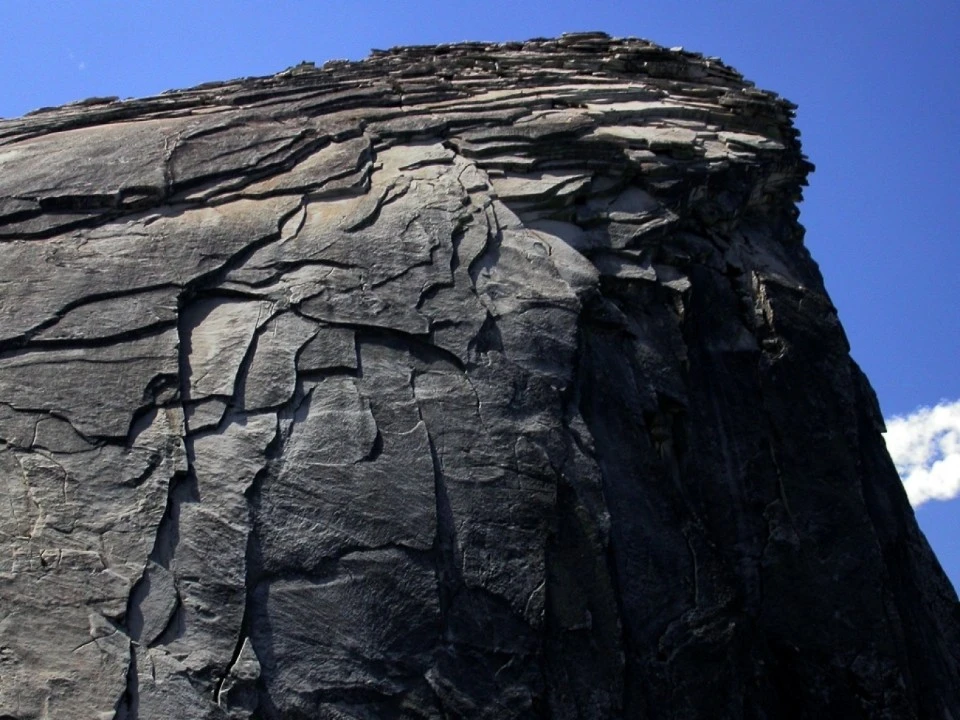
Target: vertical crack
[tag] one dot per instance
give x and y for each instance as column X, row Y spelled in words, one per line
column 182, row 487
column 448, row 574
column 489, row 255
column 128, row 706
column 449, row 578
column 253, row 560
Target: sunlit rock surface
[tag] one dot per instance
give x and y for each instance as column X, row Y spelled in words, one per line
column 469, row 381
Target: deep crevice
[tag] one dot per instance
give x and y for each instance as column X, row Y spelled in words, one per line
column 128, row 705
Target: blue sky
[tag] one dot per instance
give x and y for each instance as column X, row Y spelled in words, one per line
column 878, row 85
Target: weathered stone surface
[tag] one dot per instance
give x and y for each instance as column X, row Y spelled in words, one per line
column 469, row 381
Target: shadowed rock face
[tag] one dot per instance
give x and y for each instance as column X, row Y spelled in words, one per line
column 470, row 381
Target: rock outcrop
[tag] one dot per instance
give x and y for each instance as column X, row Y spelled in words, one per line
column 468, row 381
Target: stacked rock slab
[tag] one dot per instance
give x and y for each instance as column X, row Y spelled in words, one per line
column 467, row 381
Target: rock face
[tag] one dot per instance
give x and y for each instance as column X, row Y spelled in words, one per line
column 469, row 381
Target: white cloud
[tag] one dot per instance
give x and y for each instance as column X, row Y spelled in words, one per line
column 925, row 447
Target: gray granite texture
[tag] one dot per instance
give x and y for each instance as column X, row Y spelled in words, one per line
column 468, row 381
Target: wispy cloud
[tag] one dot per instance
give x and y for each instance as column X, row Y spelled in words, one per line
column 925, row 447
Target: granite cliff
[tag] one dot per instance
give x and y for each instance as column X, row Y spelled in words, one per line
column 467, row 381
